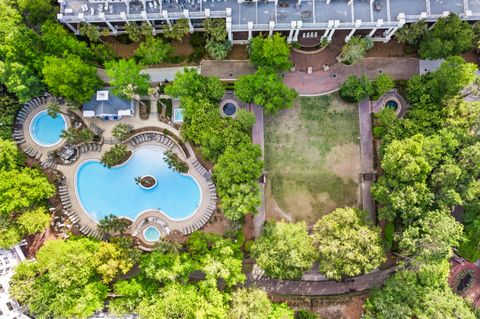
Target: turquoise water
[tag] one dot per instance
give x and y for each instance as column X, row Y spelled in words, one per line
column 151, row 233
column 104, row 191
column 45, row 130
column 178, row 115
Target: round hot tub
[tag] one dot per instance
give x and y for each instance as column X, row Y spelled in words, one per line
column 151, row 234
column 229, row 109
column 392, row 104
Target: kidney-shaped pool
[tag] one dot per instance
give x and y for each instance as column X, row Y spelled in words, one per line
column 102, row 191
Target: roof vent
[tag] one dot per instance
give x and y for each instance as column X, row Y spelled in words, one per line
column 102, row 95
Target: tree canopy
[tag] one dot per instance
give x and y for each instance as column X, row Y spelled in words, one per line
column 284, row 250
column 272, row 52
column 346, row 244
column 125, row 74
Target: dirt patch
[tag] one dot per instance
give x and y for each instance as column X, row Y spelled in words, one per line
column 344, row 161
column 124, row 51
column 238, row 52
column 391, row 49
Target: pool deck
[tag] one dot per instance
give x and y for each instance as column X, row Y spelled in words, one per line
column 151, row 217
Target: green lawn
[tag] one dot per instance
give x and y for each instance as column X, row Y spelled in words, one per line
column 312, row 157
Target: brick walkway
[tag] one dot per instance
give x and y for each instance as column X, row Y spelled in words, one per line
column 324, row 82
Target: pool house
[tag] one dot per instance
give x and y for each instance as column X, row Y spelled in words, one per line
column 107, row 106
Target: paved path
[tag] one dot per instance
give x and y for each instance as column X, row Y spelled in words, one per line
column 366, row 156
column 321, row 288
column 324, row 82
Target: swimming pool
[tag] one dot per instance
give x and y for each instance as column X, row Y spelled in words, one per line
column 46, row 130
column 178, row 115
column 102, row 191
column 151, row 234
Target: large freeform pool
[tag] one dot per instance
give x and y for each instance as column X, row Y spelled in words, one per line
column 46, row 130
column 103, row 191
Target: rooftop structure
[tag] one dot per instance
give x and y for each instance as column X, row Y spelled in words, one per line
column 243, row 18
column 108, row 106
column 9, row 308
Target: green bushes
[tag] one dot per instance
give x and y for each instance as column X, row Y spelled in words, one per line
column 355, row 89
column 174, row 162
column 122, row 131
column 9, row 106
column 218, row 50
column 118, row 154
column 355, row 49
column 76, row 136
column 153, row 51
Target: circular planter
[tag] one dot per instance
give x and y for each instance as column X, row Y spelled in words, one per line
column 229, row 107
column 147, row 182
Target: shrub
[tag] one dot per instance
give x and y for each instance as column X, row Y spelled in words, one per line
column 382, row 84
column 355, row 49
column 174, row 162
column 116, row 155
column 121, row 131
column 76, row 136
column 355, row 89
column 153, row 51
column 218, row 49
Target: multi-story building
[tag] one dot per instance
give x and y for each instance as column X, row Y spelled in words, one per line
column 378, row 19
column 9, row 259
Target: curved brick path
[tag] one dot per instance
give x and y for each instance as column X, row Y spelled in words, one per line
column 321, row 288
column 323, row 82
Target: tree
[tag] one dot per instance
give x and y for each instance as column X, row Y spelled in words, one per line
column 70, row 77
column 10, row 156
column 284, row 250
column 347, row 245
column 246, row 119
column 122, row 131
column 34, row 221
column 240, row 200
column 238, row 165
column 218, row 50
column 431, row 238
column 9, row 106
column 153, row 51
column 355, row 89
column 112, row 224
column 20, row 189
column 53, row 109
column 412, row 33
column 215, row 29
column 111, row 261
column 469, row 248
column 175, row 163
column 250, row 304
column 355, row 49
column 382, row 84
column 138, row 32
column 77, row 135
column 188, row 83
column 272, row 52
column 62, row 282
column 116, row 155
column 417, row 294
column 177, row 30
column 123, row 73
column 90, row 31
column 20, row 80
column 449, row 36
column 265, row 88
column 36, row 12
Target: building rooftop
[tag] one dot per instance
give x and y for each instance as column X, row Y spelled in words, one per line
column 105, row 103
column 316, row 13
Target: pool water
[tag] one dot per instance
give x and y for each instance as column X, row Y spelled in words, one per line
column 178, row 115
column 391, row 104
column 229, row 109
column 103, row 191
column 46, row 130
column 151, row 233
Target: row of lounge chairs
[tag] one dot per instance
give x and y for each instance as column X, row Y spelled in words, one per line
column 30, row 151
column 73, row 216
column 152, row 137
column 200, row 223
column 202, row 170
column 49, row 164
column 89, row 147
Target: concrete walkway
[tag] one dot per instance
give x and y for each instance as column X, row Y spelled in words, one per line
column 366, row 157
column 321, row 288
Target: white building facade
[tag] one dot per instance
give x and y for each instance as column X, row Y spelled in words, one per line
column 379, row 19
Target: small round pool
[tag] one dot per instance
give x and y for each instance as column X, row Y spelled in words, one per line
column 46, row 130
column 391, row 104
column 229, row 109
column 151, row 234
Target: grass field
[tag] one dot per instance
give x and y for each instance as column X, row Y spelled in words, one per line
column 312, row 157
